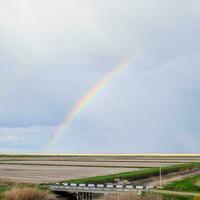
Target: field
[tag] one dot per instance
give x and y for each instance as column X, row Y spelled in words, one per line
column 189, row 184
column 30, row 170
column 140, row 174
column 45, row 174
column 52, row 168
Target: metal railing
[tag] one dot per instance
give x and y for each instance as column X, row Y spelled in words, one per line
column 109, row 188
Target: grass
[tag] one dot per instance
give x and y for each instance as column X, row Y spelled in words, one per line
column 6, row 186
column 133, row 196
column 28, row 194
column 145, row 196
column 174, row 197
column 3, row 189
column 136, row 175
column 188, row 184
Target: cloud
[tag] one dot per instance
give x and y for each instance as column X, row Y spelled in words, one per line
column 52, row 53
column 20, row 139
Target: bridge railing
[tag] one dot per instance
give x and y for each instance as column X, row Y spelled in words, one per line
column 97, row 187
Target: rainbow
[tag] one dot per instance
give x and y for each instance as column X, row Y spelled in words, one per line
column 86, row 99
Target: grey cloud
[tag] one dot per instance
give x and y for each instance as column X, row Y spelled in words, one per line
column 52, row 53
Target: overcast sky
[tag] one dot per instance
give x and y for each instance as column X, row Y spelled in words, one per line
column 52, row 52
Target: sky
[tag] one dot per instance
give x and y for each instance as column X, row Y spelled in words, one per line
column 53, row 52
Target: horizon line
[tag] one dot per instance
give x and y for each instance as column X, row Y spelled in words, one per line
column 105, row 154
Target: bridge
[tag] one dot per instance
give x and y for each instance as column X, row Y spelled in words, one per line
column 85, row 191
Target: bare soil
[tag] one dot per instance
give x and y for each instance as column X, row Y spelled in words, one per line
column 92, row 163
column 44, row 169
column 45, row 174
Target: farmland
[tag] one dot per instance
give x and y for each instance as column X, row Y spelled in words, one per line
column 141, row 174
column 29, row 170
column 52, row 168
column 45, row 174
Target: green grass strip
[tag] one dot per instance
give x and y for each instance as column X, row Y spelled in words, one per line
column 136, row 175
column 188, row 184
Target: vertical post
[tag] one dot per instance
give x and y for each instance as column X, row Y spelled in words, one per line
column 160, row 177
column 77, row 195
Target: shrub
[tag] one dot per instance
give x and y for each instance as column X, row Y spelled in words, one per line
column 28, row 194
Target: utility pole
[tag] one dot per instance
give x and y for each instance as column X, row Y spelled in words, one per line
column 160, row 177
